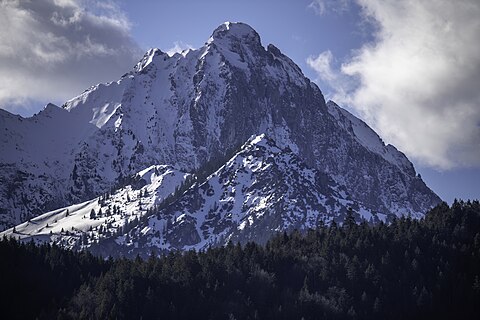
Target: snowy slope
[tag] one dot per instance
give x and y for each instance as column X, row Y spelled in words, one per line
column 75, row 226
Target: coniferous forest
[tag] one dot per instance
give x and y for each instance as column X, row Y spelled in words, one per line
column 409, row 269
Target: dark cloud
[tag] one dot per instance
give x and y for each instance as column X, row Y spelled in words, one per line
column 53, row 49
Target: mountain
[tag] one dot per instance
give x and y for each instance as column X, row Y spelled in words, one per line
column 259, row 191
column 190, row 110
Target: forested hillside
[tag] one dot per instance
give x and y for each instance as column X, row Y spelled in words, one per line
column 410, row 269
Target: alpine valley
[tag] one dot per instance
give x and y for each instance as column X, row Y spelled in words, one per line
column 226, row 142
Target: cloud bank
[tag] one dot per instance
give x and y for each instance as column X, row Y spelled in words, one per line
column 51, row 50
column 418, row 84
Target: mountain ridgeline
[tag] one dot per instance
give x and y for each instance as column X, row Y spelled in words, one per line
column 299, row 161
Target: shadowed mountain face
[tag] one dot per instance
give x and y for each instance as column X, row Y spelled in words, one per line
column 187, row 110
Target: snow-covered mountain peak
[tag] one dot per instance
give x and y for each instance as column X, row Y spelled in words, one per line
column 191, row 110
column 148, row 58
column 51, row 106
column 51, row 110
column 235, row 31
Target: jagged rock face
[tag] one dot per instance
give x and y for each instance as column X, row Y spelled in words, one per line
column 190, row 108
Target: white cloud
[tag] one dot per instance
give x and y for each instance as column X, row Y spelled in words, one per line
column 418, row 83
column 178, row 47
column 320, row 7
column 322, row 65
column 51, row 50
column 335, row 85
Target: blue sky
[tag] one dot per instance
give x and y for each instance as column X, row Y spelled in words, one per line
column 411, row 70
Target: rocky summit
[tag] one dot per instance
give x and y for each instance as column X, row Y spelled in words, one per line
column 240, row 143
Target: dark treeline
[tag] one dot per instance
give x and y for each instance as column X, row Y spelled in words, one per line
column 410, row 269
